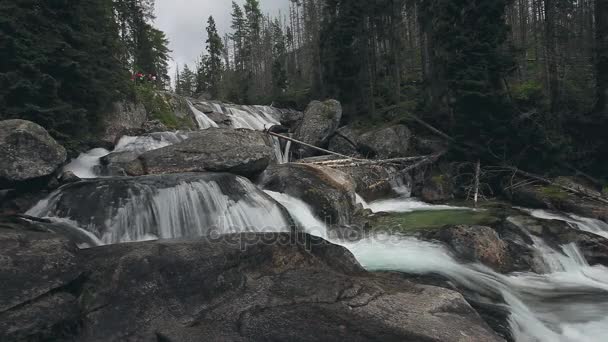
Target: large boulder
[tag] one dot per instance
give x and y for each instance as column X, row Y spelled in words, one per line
column 389, row 142
column 28, row 152
column 344, row 141
column 374, row 182
column 243, row 152
column 476, row 244
column 321, row 119
column 271, row 287
column 330, row 193
column 123, row 117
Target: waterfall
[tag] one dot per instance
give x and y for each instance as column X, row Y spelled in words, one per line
column 256, row 118
column 84, row 165
column 583, row 223
column 165, row 207
column 201, row 118
column 569, row 303
column 402, row 205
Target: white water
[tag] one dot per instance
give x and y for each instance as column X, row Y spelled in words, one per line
column 84, row 165
column 568, row 304
column 402, row 205
column 256, row 118
column 583, row 223
column 204, row 122
column 145, row 210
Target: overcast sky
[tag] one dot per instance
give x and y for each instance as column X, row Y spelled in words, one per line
column 184, row 22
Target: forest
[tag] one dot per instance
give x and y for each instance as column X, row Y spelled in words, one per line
column 520, row 82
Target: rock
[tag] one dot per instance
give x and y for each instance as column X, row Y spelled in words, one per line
column 554, row 198
column 153, row 126
column 28, row 152
column 330, row 193
column 376, row 182
column 270, row 287
column 390, row 142
column 321, row 119
column 68, row 177
column 559, row 233
column 344, row 141
column 476, row 244
column 291, row 118
column 437, row 188
column 220, row 119
column 243, row 152
column 123, row 117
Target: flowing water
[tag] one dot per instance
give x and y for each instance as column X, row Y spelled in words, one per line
column 246, row 117
column 166, row 207
column 568, row 303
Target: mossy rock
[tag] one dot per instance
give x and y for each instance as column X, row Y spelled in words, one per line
column 413, row 222
column 554, row 192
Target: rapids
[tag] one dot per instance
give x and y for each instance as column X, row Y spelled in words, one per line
column 568, row 303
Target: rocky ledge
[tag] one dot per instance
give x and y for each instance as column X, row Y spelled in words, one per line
column 279, row 287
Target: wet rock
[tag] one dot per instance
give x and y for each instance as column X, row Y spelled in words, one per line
column 389, row 142
column 243, row 152
column 476, row 244
column 249, row 287
column 220, row 119
column 330, row 193
column 376, row 182
column 558, row 233
column 554, row 198
column 68, row 177
column 165, row 206
column 28, row 152
column 321, row 119
column 123, row 117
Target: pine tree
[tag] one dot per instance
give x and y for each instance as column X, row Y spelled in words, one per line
column 238, row 36
column 187, row 83
column 213, row 63
column 279, row 72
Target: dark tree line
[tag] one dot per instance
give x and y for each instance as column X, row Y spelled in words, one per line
column 64, row 62
column 524, row 80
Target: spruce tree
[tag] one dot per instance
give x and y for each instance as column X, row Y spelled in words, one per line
column 213, row 63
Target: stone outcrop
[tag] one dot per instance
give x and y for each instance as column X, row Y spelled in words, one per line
column 123, row 117
column 330, row 193
column 28, row 152
column 389, row 142
column 243, row 152
column 321, row 119
column 249, row 287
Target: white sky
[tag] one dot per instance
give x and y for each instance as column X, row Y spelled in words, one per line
column 184, row 22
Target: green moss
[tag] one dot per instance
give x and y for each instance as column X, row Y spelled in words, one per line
column 554, row 192
column 431, row 219
column 158, row 108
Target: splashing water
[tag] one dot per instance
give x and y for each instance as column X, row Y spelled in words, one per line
column 166, row 207
column 567, row 304
column 204, row 122
column 583, row 223
column 84, row 165
column 402, row 205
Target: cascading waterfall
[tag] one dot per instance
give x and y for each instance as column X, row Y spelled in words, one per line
column 583, row 223
column 84, row 165
column 166, row 207
column 204, row 122
column 256, row 118
column 568, row 303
